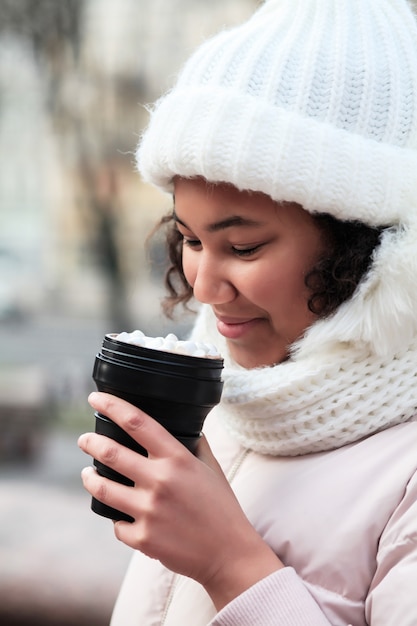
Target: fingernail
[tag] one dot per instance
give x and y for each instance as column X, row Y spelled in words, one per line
column 92, row 397
column 87, row 470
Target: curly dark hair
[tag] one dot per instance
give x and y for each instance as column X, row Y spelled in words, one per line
column 336, row 275
column 334, row 278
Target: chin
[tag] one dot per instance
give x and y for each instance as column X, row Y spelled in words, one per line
column 251, row 360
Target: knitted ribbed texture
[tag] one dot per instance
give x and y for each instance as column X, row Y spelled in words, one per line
column 313, row 101
column 281, row 598
column 321, row 399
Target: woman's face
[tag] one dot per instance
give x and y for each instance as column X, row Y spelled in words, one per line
column 247, row 256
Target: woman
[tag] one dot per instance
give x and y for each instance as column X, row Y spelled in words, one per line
column 290, row 146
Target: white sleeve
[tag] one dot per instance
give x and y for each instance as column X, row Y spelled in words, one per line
column 280, row 599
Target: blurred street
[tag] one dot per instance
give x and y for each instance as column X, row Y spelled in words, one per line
column 51, row 341
column 59, row 562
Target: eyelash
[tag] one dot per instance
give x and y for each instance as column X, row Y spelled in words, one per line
column 194, row 243
column 191, row 243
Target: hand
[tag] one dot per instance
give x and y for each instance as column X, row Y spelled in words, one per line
column 186, row 514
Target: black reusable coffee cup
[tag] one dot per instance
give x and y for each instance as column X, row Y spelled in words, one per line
column 175, row 389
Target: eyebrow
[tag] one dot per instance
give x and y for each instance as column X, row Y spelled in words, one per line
column 229, row 222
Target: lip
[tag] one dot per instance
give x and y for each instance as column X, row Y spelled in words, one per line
column 234, row 327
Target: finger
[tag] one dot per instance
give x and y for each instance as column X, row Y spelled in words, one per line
column 108, row 492
column 141, row 427
column 114, row 455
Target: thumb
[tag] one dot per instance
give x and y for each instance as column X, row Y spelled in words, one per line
column 205, row 455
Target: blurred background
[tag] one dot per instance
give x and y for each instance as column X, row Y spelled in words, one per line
column 75, row 79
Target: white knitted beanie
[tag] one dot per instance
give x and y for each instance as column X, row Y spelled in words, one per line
column 311, row 101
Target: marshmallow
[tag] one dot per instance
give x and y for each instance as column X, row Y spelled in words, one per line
column 170, row 343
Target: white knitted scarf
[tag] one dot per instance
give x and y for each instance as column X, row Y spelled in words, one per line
column 317, row 400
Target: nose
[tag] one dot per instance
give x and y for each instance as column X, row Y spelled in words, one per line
column 212, row 283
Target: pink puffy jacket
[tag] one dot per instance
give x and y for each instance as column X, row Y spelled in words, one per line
column 344, row 522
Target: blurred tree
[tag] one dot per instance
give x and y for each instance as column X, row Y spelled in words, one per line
column 53, row 29
column 43, row 22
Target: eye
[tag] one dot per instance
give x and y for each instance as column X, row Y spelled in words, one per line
column 246, row 251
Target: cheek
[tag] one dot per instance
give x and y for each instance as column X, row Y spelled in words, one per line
column 285, row 291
